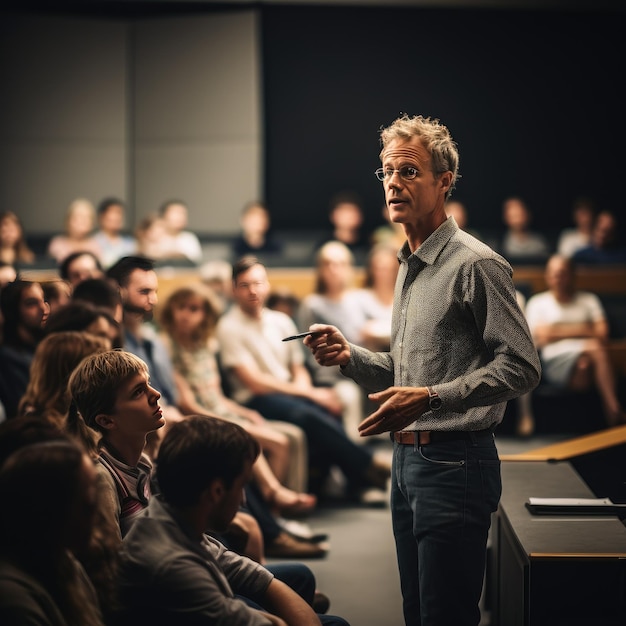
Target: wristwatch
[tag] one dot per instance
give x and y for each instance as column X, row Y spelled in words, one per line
column 434, row 400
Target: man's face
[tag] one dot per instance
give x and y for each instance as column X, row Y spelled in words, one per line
column 410, row 201
column 137, row 411
column 230, row 501
column 82, row 268
column 34, row 310
column 251, row 290
column 140, row 294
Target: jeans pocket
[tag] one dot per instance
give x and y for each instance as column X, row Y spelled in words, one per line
column 491, row 480
column 442, row 455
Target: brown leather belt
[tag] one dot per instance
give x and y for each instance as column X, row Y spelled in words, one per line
column 424, row 437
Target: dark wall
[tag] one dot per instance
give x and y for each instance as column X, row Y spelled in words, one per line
column 534, row 100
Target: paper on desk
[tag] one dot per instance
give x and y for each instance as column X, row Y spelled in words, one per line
column 571, row 501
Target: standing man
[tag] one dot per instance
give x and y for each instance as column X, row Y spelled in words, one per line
column 460, row 349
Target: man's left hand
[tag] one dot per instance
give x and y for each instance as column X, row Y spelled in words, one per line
column 399, row 407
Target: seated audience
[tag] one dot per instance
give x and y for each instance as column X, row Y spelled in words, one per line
column 8, row 273
column 570, row 330
column 606, row 246
column 284, row 300
column 138, row 284
column 346, row 218
column 110, row 237
column 519, row 241
column 574, row 238
column 24, row 313
column 256, row 236
column 390, row 233
column 51, row 487
column 100, row 292
column 381, row 271
column 458, row 211
column 56, row 293
column 217, row 274
column 54, row 360
column 180, row 241
column 138, row 288
column 83, row 316
column 336, row 301
column 270, row 376
column 151, row 236
column 188, row 320
column 79, row 224
column 14, row 249
column 115, row 408
column 79, row 266
column 525, row 418
column 171, row 570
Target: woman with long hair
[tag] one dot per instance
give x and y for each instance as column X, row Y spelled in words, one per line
column 55, row 358
column 188, row 320
column 13, row 247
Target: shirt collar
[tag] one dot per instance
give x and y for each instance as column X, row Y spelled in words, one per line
column 434, row 244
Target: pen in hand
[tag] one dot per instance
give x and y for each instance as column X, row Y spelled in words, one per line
column 302, row 335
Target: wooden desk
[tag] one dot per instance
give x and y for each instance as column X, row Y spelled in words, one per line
column 554, row 570
column 596, row 279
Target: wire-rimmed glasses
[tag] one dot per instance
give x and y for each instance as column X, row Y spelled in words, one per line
column 386, row 173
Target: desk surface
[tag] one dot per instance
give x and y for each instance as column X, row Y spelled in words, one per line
column 562, row 451
column 559, row 536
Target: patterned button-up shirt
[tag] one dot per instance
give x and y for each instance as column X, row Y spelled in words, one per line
column 457, row 328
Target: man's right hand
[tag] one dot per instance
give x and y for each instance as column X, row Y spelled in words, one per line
column 330, row 348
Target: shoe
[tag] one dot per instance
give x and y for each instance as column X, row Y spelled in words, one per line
column 300, row 531
column 378, row 474
column 286, row 547
column 321, row 603
column 374, row 498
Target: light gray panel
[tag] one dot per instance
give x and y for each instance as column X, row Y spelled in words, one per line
column 197, row 116
column 197, row 77
column 40, row 180
column 63, row 123
column 215, row 180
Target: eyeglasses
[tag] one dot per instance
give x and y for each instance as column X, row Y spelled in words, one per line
column 386, row 173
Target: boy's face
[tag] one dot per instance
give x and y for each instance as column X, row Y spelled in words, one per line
column 137, row 411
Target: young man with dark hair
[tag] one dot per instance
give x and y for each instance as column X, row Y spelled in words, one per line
column 171, row 570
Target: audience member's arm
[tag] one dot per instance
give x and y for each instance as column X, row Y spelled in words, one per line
column 288, row 605
column 260, row 383
column 547, row 333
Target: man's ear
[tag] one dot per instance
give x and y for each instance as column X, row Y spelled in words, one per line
column 104, row 421
column 445, row 180
column 215, row 490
